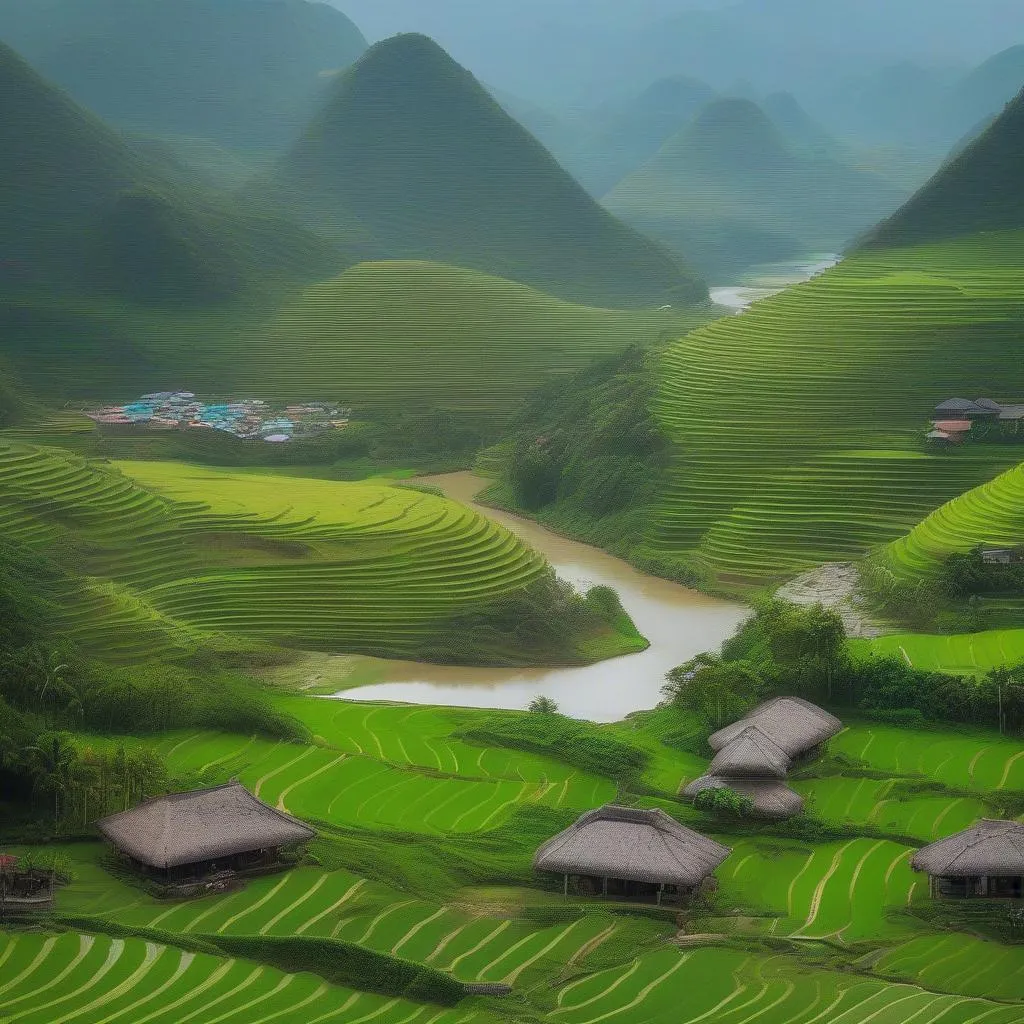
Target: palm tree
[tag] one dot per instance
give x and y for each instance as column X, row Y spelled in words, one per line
column 52, row 764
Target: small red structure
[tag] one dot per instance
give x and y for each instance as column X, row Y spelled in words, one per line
column 7, row 862
column 953, row 426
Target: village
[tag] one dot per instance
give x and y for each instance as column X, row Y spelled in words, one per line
column 959, row 419
column 248, row 419
column 187, row 845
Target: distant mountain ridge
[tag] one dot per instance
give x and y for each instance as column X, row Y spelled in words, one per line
column 244, row 73
column 978, row 190
column 412, row 158
column 732, row 191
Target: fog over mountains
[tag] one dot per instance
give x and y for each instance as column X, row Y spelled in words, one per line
column 574, row 50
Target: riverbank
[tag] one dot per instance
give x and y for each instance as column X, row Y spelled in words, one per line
column 679, row 623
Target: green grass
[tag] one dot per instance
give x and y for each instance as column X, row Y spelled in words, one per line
column 798, row 426
column 162, row 557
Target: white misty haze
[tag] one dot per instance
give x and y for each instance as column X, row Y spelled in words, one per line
column 577, row 51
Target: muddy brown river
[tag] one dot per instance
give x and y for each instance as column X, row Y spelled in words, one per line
column 679, row 623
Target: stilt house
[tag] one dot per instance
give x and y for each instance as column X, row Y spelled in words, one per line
column 632, row 854
column 192, row 835
column 986, row 861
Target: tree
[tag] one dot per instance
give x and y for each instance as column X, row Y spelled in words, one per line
column 725, row 801
column 543, row 705
column 808, row 644
column 53, row 765
column 717, row 692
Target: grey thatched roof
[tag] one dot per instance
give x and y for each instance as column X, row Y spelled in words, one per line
column 987, row 848
column 632, row 844
column 791, row 723
column 751, row 754
column 988, row 404
column 772, row 798
column 959, row 405
column 187, row 828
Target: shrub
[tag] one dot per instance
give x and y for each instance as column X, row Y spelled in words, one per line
column 726, row 802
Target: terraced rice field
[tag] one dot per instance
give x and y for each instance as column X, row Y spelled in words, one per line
column 970, row 760
column 386, row 767
column 799, row 425
column 730, row 987
column 162, row 555
column 961, row 653
column 991, row 515
column 380, row 774
column 95, row 979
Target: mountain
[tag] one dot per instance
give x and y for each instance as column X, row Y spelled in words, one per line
column 800, row 130
column 981, row 95
column 731, row 191
column 978, row 190
column 411, row 155
column 244, row 73
column 84, row 213
column 620, row 137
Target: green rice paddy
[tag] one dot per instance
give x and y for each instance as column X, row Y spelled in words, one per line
column 424, row 856
column 162, row 556
column 799, row 425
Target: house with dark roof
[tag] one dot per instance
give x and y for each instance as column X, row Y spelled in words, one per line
column 630, row 853
column 794, row 725
column 962, row 408
column 753, row 756
column 199, row 833
column 986, row 861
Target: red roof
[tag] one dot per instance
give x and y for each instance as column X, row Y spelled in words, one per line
column 7, row 861
column 953, row 426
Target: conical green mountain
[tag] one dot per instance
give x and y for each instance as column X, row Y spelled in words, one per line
column 731, row 191
column 82, row 213
column 978, row 190
column 620, row 138
column 412, row 153
column 244, row 73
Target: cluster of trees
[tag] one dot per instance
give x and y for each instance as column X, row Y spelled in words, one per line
column 546, row 620
column 590, row 444
column 787, row 649
column 74, row 784
column 966, row 575
column 724, row 802
column 50, row 690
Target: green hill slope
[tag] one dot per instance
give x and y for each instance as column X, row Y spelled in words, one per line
column 798, row 426
column 244, row 73
column 402, row 334
column 83, row 213
column 978, row 190
column 411, row 155
column 161, row 559
column 731, row 191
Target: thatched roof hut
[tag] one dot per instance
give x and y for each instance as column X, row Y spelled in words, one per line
column 771, row 798
column 989, row 848
column 752, row 754
column 791, row 723
column 632, row 844
column 199, row 827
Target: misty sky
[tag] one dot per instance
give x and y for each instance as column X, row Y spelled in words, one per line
column 549, row 48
